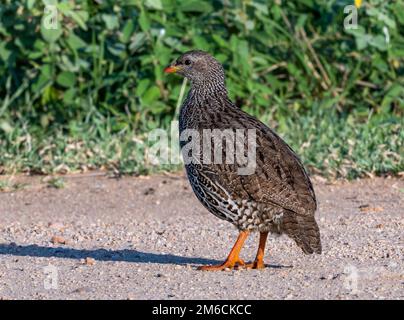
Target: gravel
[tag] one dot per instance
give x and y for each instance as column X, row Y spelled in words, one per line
column 143, row 237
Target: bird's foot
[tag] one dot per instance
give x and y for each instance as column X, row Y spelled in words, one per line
column 235, row 264
column 257, row 264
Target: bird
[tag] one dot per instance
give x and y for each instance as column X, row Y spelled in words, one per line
column 276, row 197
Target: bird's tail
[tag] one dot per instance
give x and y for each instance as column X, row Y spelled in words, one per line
column 304, row 230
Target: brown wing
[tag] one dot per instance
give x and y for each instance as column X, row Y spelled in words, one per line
column 279, row 179
column 280, row 176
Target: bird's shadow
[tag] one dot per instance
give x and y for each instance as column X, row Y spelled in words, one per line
column 125, row 255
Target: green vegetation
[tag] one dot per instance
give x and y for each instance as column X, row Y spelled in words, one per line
column 86, row 94
column 9, row 186
column 55, row 182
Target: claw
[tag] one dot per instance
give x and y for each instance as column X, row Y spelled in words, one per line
column 228, row 264
column 233, row 261
column 255, row 265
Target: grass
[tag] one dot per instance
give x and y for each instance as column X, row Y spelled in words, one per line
column 9, row 186
column 55, row 182
column 85, row 95
column 329, row 145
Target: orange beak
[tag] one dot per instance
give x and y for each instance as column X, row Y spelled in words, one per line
column 171, row 69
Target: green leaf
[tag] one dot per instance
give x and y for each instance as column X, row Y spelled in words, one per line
column 4, row 52
column 111, row 21
column 379, row 42
column 51, row 29
column 66, row 79
column 50, row 2
column 30, row 4
column 142, row 86
column 127, row 31
column 75, row 41
column 151, row 95
column 398, row 9
column 69, row 96
column 261, row 7
column 5, row 126
column 46, row 71
column 40, row 83
column 154, row 4
column 138, row 40
column 362, row 43
column 395, row 91
column 117, row 49
column 220, row 41
column 201, row 43
column 80, row 17
column 195, row 6
column 144, row 21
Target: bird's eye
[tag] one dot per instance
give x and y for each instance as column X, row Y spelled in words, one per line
column 187, row 62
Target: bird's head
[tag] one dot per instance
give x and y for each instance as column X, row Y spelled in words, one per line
column 198, row 66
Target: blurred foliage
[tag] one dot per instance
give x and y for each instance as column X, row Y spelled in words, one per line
column 95, row 83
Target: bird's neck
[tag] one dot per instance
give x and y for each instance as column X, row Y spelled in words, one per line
column 202, row 89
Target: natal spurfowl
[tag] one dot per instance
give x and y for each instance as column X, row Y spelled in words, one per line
column 277, row 196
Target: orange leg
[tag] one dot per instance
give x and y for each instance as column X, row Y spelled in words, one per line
column 233, row 259
column 259, row 259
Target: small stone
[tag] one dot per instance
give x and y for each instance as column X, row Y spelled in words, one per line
column 58, row 240
column 83, row 290
column 149, row 191
column 56, row 225
column 89, row 261
column 367, row 208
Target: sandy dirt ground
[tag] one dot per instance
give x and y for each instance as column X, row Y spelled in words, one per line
column 143, row 237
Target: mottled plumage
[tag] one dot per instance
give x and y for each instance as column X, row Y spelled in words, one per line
column 278, row 196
